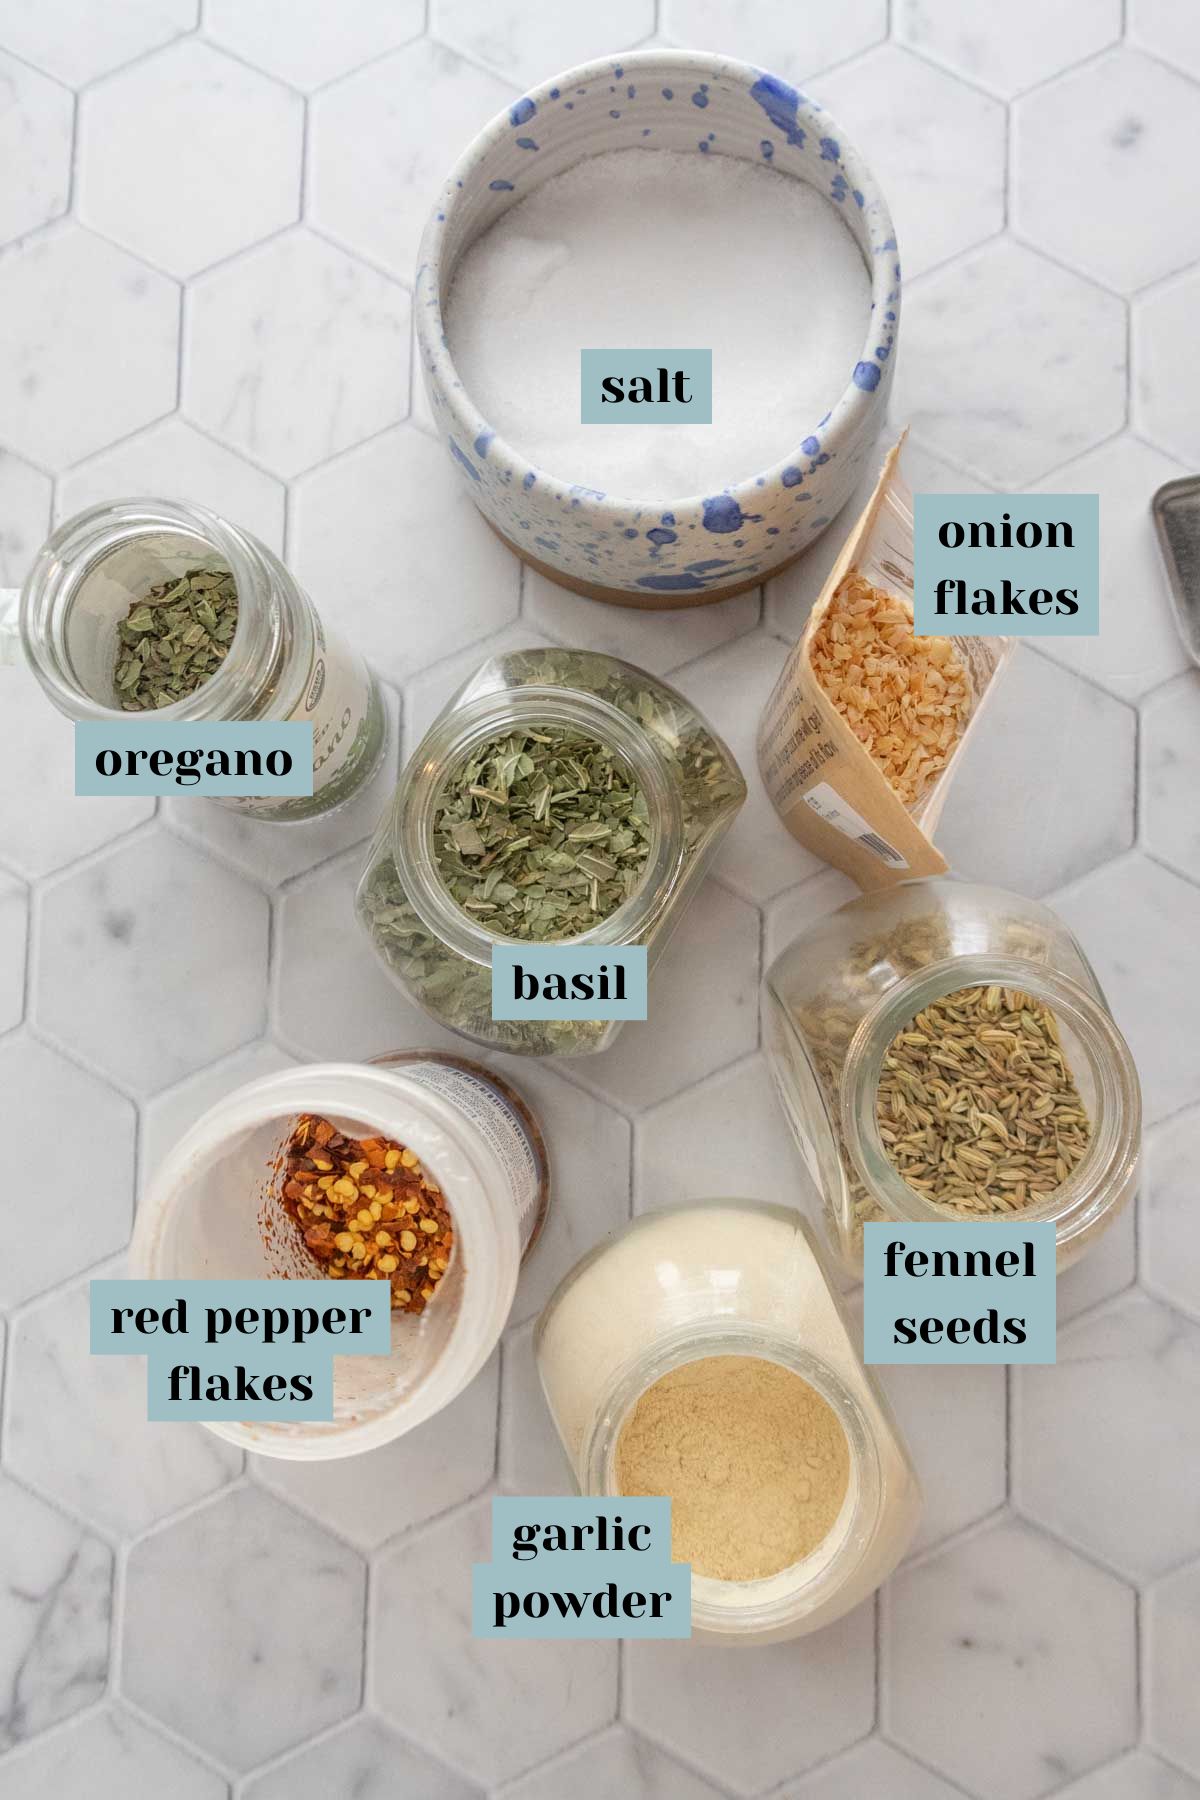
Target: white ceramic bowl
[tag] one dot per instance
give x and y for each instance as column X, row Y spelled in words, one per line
column 703, row 546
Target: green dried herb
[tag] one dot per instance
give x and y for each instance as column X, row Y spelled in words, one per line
column 174, row 639
column 540, row 834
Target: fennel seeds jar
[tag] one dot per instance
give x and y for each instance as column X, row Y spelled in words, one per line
column 560, row 796
column 943, row 1051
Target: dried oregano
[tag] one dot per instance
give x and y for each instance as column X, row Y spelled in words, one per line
column 174, row 639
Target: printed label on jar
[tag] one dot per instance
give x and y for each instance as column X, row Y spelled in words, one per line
column 828, row 804
column 499, row 1123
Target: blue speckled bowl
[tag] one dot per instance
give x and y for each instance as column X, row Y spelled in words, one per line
column 703, row 546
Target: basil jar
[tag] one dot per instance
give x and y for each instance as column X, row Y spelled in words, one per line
column 279, row 664
column 687, row 790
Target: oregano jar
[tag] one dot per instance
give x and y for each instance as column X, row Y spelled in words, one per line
column 438, row 952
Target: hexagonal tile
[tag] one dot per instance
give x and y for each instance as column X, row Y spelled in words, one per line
column 14, row 921
column 112, row 1466
column 657, row 641
column 57, row 1582
column 1011, row 364
column 1173, row 1632
column 333, row 368
column 589, row 1176
column 1127, row 123
column 1009, row 1663
column 529, row 44
column 427, row 693
column 771, row 35
column 372, row 1497
column 227, row 170
column 1170, row 750
column 532, row 1459
column 362, row 1761
column 95, row 338
column 159, row 961
column 75, row 42
column 942, row 151
column 703, row 1007
column 1046, row 718
column 955, row 1418
column 1169, row 31
column 168, row 1115
column 1138, row 645
column 614, row 1766
column 269, row 852
column 48, row 1094
column 320, row 42
column 758, row 856
column 382, row 141
column 175, row 461
column 1118, row 912
column 872, row 1768
column 42, row 824
column 528, row 1698
column 1164, row 389
column 274, row 1612
column 373, row 529
column 1108, row 1268
column 108, row 1753
column 808, row 1699
column 1170, row 1242
column 24, row 516
column 1013, row 50
column 1124, row 1396
column 792, row 913
column 749, row 1150
column 35, row 135
column 1138, row 1776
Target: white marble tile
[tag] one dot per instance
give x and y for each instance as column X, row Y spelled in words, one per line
column 749, row 1151
column 1137, row 924
column 331, row 369
column 110, row 1755
column 532, row 1459
column 1128, row 126
column 773, row 34
column 393, row 550
column 1170, row 756
column 56, row 1585
column 1049, row 734
column 1173, row 1646
column 1124, row 1397
column 14, row 920
column 77, row 1427
column 35, row 144
column 529, row 44
column 758, row 856
column 1138, row 645
column 1106, row 1268
column 271, row 852
column 794, row 912
column 174, row 461
column 955, row 1420
column 76, row 41
column 372, row 1497
column 657, row 641
column 1010, row 364
column 24, row 516
column 152, row 961
column 427, row 693
column 1138, row 1776
column 703, row 1010
column 806, row 1700
column 92, row 344
column 271, row 1612
column 1170, row 1238
column 382, row 142
column 1009, row 1663
column 308, row 42
column 940, row 154
column 1011, row 49
column 1167, row 30
column 1165, row 389
column 615, row 1766
column 490, row 1709
column 874, row 1768
column 360, row 1761
column 226, row 167
column 63, row 1110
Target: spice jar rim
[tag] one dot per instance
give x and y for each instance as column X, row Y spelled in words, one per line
column 1103, row 1174
column 76, row 548
column 463, row 727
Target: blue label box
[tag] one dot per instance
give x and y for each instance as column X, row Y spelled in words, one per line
column 645, row 387
column 158, row 756
column 976, row 1292
column 569, row 981
column 1006, row 565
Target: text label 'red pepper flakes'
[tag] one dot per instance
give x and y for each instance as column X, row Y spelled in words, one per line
column 368, row 1211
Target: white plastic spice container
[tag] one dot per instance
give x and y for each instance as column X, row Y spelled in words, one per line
column 720, row 1279
column 212, row 1212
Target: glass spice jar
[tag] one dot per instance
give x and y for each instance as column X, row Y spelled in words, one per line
column 282, row 664
column 439, row 953
column 834, row 1001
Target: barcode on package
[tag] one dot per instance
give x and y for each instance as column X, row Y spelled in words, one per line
column 828, row 804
